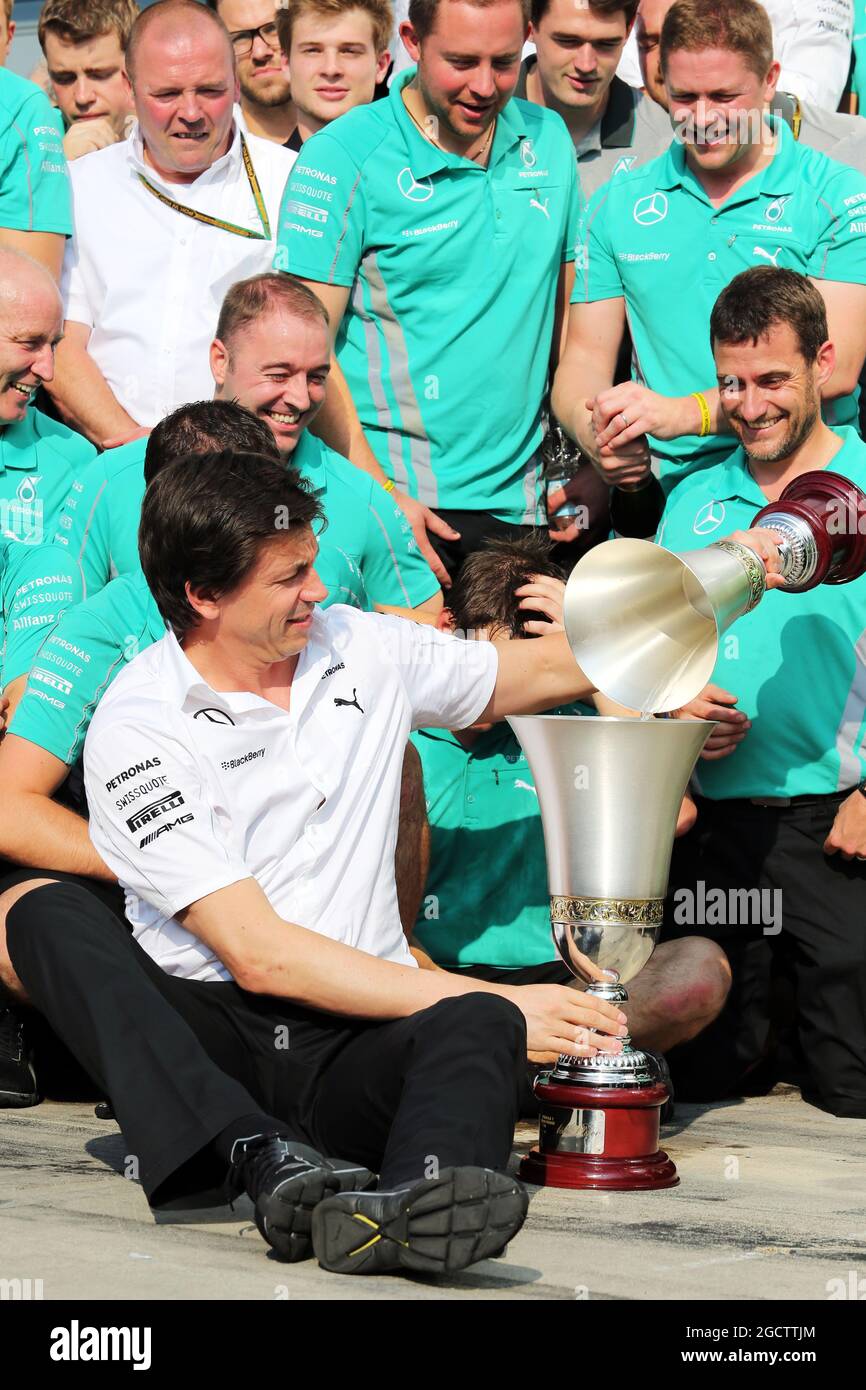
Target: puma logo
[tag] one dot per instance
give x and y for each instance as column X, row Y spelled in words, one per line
column 353, row 703
column 542, row 207
column 773, row 259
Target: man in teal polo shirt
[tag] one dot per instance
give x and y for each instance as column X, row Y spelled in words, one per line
column 35, row 199
column 773, row 867
column 37, row 583
column 486, row 908
column 38, row 456
column 734, row 190
column 270, row 356
column 438, row 227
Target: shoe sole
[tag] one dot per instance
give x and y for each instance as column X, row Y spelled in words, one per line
column 284, row 1216
column 439, row 1227
column 19, row 1100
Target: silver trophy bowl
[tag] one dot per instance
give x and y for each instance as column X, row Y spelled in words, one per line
column 609, row 791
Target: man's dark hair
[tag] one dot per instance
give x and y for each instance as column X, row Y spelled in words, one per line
column 483, row 592
column 204, row 427
column 763, row 296
column 205, row 520
column 423, row 13
column 606, row 8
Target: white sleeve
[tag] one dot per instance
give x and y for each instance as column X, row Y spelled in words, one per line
column 150, row 816
column 448, row 681
column 629, row 64
column 812, row 40
column 73, row 288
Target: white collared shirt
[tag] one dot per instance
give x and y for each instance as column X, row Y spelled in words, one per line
column 149, row 281
column 191, row 789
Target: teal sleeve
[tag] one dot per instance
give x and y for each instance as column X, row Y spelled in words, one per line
column 84, row 526
column 321, row 231
column 575, row 208
column 34, row 180
column 840, row 253
column 39, row 584
column 597, row 274
column 343, row 580
column 74, row 666
column 395, row 572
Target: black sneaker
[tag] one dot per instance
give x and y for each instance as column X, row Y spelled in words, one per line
column 18, row 1086
column 437, row 1226
column 285, row 1181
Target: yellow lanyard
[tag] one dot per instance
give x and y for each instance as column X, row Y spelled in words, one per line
column 798, row 119
column 264, row 235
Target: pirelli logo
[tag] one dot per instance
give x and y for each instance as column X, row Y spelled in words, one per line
column 305, row 210
column 154, row 810
column 49, row 678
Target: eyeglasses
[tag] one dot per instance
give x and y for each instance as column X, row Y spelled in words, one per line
column 243, row 39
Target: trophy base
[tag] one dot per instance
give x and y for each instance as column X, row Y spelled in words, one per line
column 599, row 1137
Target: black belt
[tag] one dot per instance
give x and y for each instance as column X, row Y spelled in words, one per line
column 782, row 802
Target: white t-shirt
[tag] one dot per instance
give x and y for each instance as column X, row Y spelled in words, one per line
column 191, row 789
column 812, row 41
column 148, row 281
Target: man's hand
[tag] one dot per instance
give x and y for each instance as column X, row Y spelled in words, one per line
column 543, row 594
column 687, row 816
column 626, row 461
column 717, row 704
column 141, row 432
column 766, row 544
column 848, row 834
column 422, row 520
column 558, row 498
column 83, row 137
column 560, row 1019
column 625, row 412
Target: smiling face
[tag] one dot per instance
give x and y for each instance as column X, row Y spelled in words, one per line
column 31, row 326
column 333, row 64
column 469, row 64
column 717, row 102
column 184, row 86
column 770, row 394
column 277, row 368
column 578, row 52
column 268, row 617
column 89, row 78
column 260, row 71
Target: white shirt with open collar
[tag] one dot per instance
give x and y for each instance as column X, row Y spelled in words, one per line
column 192, row 789
column 149, row 281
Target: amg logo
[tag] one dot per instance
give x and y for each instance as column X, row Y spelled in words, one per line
column 48, row 678
column 131, row 772
column 154, row 810
column 164, row 829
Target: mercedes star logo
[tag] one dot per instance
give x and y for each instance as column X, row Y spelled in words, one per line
column 652, row 209
column 214, row 716
column 709, row 518
column 416, row 190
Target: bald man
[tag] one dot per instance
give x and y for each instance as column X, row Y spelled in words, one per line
column 38, row 458
column 165, row 223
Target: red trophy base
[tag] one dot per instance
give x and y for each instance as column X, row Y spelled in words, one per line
column 599, row 1137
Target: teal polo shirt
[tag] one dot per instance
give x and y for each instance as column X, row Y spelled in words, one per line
column 653, row 238
column 38, row 460
column 368, row 553
column 37, row 583
column 34, row 180
column 796, row 662
column 93, row 641
column 452, row 272
column 486, row 900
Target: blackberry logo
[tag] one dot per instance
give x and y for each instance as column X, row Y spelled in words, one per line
column 154, row 810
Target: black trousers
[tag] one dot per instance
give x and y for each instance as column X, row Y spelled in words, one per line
column 797, row 1006
column 182, row 1059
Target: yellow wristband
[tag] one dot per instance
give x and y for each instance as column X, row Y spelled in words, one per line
column 706, row 418
column 389, row 485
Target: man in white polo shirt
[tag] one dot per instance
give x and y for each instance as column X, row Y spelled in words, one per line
column 165, row 223
column 243, row 779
